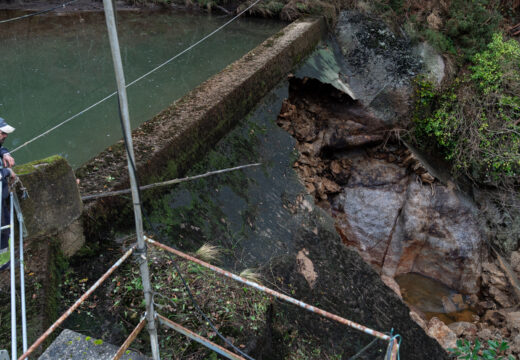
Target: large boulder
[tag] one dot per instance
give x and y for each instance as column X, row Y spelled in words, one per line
column 378, row 65
column 401, row 225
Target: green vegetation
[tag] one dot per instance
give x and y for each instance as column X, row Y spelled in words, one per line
column 32, row 166
column 476, row 121
column 468, row 351
column 238, row 312
column 461, row 28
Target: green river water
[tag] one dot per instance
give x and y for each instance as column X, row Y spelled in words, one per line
column 52, row 67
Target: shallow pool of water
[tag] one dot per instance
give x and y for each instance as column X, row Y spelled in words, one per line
column 55, row 66
column 434, row 299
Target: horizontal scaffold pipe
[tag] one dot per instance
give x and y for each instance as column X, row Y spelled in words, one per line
column 202, row 340
column 169, row 182
column 130, row 339
column 78, row 302
column 274, row 293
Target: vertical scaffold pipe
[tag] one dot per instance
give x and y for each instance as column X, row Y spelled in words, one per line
column 141, row 247
column 13, row 282
column 22, row 283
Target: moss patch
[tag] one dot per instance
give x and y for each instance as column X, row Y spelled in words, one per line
column 33, row 166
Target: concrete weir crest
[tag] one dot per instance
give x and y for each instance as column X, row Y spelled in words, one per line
column 167, row 145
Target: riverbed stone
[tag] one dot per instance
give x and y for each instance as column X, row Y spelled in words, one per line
column 462, row 328
column 442, row 333
column 513, row 321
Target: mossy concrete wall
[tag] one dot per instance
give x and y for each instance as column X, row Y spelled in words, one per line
column 53, row 206
column 167, row 145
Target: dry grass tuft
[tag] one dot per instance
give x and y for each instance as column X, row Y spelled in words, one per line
column 208, row 253
column 252, row 275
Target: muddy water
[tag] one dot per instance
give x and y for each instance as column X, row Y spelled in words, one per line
column 52, row 67
column 434, row 299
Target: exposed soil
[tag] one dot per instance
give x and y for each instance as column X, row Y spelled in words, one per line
column 326, row 122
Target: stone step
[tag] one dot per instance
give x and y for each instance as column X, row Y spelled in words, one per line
column 72, row 345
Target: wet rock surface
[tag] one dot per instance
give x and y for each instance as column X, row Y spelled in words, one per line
column 442, row 333
column 386, row 204
column 378, row 65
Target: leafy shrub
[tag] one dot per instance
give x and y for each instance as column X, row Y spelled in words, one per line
column 468, row 351
column 466, row 28
column 471, row 25
column 476, row 122
column 439, row 41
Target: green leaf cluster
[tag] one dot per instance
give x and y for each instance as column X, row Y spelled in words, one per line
column 471, row 24
column 497, row 65
column 476, row 121
column 466, row 350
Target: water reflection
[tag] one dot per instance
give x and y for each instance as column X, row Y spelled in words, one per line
column 55, row 66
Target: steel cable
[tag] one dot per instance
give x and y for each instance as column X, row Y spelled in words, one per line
column 37, row 13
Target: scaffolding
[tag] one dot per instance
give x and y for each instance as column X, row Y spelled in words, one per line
column 14, row 208
column 150, row 318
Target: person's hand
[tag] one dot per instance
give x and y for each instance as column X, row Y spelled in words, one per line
column 8, row 161
column 13, row 175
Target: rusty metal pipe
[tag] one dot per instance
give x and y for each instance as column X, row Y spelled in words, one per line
column 272, row 292
column 392, row 350
column 78, row 302
column 395, row 350
column 130, row 339
column 202, row 340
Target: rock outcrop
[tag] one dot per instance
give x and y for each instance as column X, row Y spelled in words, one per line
column 378, row 66
column 402, row 226
column 386, row 204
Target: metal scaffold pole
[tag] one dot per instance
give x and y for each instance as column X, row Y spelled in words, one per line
column 141, row 247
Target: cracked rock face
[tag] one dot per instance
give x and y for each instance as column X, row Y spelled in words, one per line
column 384, row 201
column 402, row 226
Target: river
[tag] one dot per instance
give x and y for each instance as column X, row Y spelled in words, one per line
column 53, row 67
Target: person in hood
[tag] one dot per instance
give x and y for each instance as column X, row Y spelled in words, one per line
column 5, row 173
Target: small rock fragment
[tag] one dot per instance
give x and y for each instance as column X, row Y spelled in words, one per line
column 442, row 333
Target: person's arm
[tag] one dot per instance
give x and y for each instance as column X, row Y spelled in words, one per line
column 7, row 159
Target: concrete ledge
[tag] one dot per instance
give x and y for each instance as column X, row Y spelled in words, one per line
column 72, row 345
column 167, row 145
column 54, row 201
